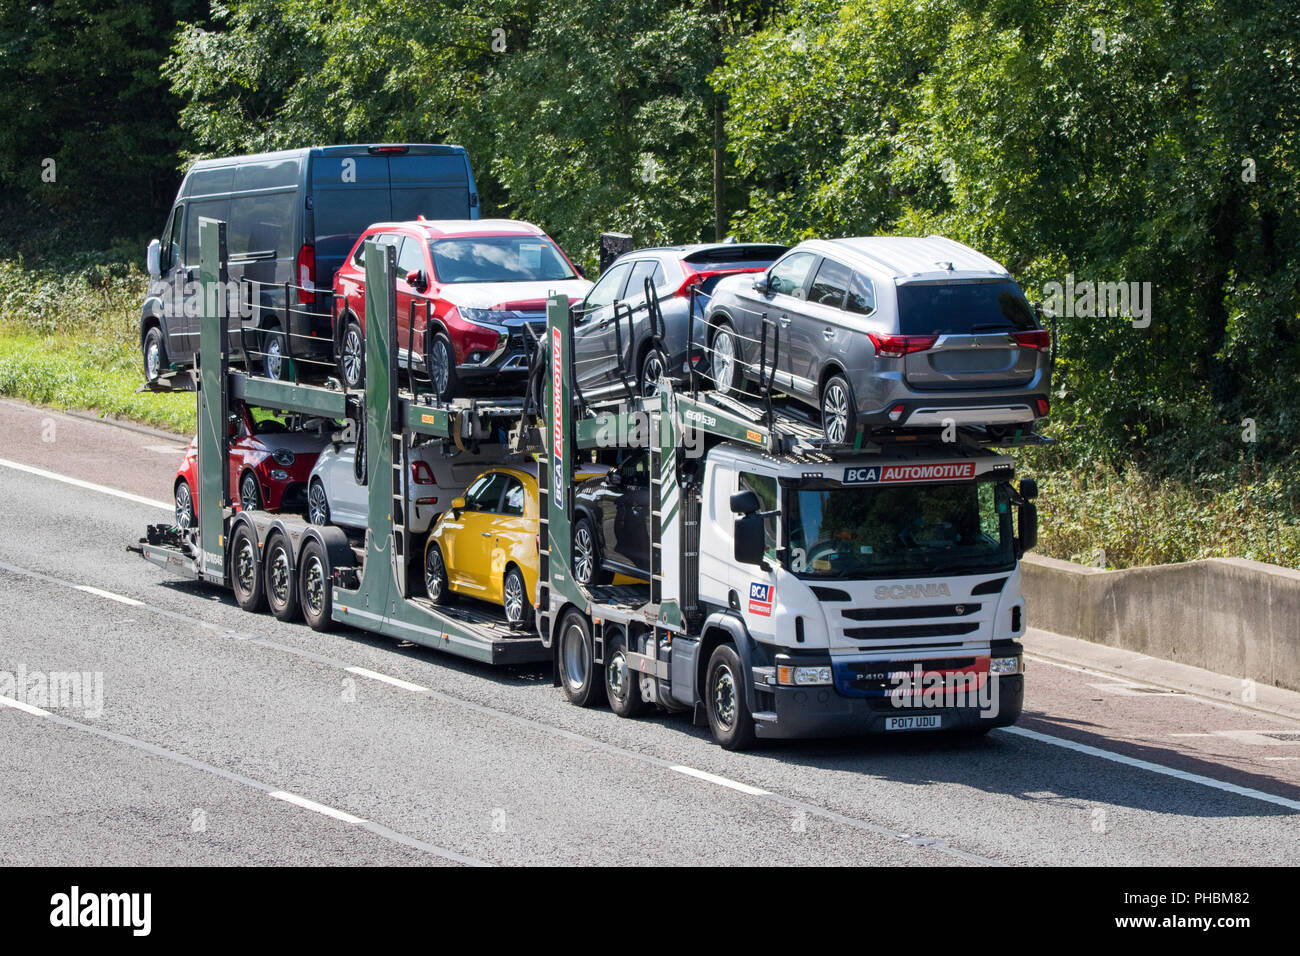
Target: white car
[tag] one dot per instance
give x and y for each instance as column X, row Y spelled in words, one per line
column 335, row 497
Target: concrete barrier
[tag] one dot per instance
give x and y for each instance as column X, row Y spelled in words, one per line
column 1226, row 615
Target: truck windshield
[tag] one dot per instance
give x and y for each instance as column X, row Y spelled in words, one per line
column 857, row 532
column 499, row 259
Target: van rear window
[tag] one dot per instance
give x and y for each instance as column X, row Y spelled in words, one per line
column 962, row 308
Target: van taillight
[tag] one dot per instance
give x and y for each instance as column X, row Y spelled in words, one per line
column 421, row 473
column 387, row 149
column 307, row 275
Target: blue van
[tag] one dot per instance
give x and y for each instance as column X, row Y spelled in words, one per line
column 292, row 218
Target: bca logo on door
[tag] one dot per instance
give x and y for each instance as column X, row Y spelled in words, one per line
column 760, row 599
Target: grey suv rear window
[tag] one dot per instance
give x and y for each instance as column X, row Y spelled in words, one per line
column 963, row 308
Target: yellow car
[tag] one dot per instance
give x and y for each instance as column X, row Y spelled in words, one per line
column 487, row 545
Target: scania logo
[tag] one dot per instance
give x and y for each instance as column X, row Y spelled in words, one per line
column 899, row 592
column 960, row 609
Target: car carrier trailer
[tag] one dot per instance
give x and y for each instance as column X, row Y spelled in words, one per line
column 743, row 623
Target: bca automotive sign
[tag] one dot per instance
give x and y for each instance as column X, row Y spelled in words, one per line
column 557, row 422
column 760, row 598
column 897, row 474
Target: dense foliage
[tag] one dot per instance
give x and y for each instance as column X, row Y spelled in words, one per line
column 1076, row 141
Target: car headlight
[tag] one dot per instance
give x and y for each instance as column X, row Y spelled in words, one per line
column 1005, row 665
column 487, row 318
column 279, row 474
column 803, row 676
column 283, row 456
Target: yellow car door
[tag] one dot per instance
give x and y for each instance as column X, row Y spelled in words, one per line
column 469, row 537
column 515, row 539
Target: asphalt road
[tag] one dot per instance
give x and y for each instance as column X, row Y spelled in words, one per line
column 224, row 737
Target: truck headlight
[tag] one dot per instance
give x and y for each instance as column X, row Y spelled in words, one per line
column 803, row 676
column 1006, row 665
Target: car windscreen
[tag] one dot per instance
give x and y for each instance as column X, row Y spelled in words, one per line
column 498, row 259
column 858, row 532
column 963, row 308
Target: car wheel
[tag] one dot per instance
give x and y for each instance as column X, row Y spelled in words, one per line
column 245, row 573
column 352, row 356
column 622, row 684
column 154, row 351
column 441, row 363
column 275, row 363
column 516, row 600
column 318, row 505
column 250, row 496
column 839, row 411
column 280, row 582
column 435, row 575
column 724, row 700
column 653, row 368
column 586, row 555
column 724, row 359
column 315, row 587
column 184, row 506
column 579, row 675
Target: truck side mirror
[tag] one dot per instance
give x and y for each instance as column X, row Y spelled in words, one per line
column 1028, row 489
column 749, row 538
column 1028, row 536
column 744, row 503
column 153, row 257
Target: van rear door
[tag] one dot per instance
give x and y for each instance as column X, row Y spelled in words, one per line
column 353, row 187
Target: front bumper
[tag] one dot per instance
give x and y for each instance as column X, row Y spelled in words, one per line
column 825, row 712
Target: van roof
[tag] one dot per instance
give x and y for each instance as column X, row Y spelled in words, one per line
column 351, row 149
column 910, row 258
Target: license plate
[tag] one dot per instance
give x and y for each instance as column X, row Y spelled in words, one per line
column 914, row 722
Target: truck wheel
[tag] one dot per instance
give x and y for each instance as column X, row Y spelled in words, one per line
column 281, row 585
column 839, row 411
column 184, row 506
column 441, row 366
column 315, row 587
column 352, row 356
column 724, row 700
column 622, row 685
column 154, row 351
column 579, row 675
column 515, row 599
column 245, row 572
column 586, row 555
column 435, row 575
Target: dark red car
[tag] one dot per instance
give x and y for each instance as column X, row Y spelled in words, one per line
column 481, row 281
column 269, row 466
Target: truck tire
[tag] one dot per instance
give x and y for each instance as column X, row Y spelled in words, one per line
column 586, row 555
column 725, row 702
column 279, row 579
column 245, row 570
column 153, row 352
column 315, row 587
column 622, row 685
column 575, row 654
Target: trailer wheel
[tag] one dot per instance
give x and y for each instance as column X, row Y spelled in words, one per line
column 622, row 684
column 245, row 570
column 515, row 599
column 579, row 675
column 724, row 700
column 280, row 582
column 315, row 589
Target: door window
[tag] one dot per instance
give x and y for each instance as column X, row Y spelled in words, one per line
column 607, row 289
column 788, row 275
column 512, row 502
column 645, row 269
column 410, row 257
column 170, row 252
column 485, row 495
column 830, row 284
column 764, row 486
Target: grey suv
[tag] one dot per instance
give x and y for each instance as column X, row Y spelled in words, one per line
column 885, row 332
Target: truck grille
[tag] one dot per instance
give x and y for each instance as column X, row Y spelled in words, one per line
column 904, row 613
column 897, row 632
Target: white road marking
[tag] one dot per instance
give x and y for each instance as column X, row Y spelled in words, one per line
column 395, row 681
column 89, row 486
column 166, row 449
column 1282, row 758
column 1154, row 767
column 24, row 707
column 120, row 598
column 313, row 806
column 721, row 781
column 1191, row 735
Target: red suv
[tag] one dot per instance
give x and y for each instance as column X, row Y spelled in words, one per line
column 269, row 466
column 478, row 281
